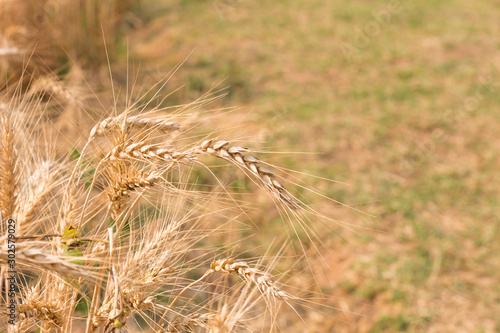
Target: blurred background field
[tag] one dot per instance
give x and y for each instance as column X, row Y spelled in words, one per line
column 397, row 101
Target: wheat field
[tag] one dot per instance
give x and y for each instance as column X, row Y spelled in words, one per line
column 249, row 166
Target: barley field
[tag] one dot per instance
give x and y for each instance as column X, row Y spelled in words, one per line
column 249, row 166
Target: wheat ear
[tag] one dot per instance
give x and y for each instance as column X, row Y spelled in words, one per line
column 54, row 87
column 133, row 121
column 39, row 310
column 8, row 181
column 143, row 151
column 43, row 183
column 187, row 323
column 237, row 156
column 39, row 259
column 262, row 280
column 125, row 184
